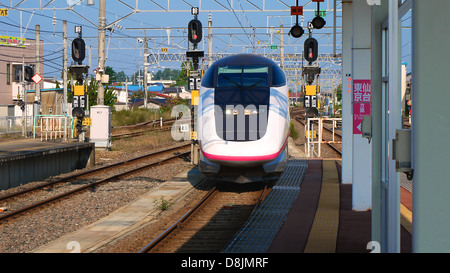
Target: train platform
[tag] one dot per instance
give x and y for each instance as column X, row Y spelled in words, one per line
column 321, row 219
column 27, row 160
column 314, row 216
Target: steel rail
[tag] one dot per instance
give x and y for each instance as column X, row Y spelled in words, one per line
column 189, row 213
column 86, row 172
column 90, row 185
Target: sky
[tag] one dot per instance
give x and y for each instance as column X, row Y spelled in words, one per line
column 123, row 47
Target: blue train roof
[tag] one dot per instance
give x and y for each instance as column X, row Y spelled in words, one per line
column 277, row 77
column 245, row 59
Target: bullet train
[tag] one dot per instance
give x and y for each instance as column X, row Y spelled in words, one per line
column 243, row 119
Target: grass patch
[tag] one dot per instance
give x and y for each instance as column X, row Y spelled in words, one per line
column 293, row 132
column 137, row 115
column 148, row 140
column 162, row 203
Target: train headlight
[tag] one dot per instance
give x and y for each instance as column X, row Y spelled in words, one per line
column 251, row 112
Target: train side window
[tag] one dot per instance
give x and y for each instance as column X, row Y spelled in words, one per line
column 279, row 78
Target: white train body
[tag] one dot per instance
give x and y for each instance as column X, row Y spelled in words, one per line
column 243, row 118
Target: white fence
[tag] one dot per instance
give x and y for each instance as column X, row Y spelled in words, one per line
column 53, row 126
column 12, row 125
column 314, row 135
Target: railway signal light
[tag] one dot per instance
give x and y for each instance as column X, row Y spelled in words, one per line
column 78, row 50
column 318, row 22
column 29, row 73
column 311, row 48
column 296, row 31
column 195, row 31
column 78, row 112
column 21, row 104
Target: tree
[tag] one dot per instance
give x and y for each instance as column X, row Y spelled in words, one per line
column 182, row 78
column 92, row 91
column 112, row 74
column 338, row 92
column 121, row 76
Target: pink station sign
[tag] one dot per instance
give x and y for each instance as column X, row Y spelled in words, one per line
column 362, row 97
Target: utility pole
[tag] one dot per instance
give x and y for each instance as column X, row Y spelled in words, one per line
column 65, row 105
column 24, row 89
column 101, row 49
column 90, row 55
column 37, row 99
column 210, row 44
column 145, row 71
column 126, row 93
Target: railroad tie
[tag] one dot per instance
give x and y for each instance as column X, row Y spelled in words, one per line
column 323, row 235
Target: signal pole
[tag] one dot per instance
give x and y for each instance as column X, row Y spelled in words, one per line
column 210, row 44
column 101, row 49
column 37, row 99
column 145, row 71
column 64, row 106
column 24, row 112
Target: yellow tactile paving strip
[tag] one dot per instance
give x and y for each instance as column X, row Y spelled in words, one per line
column 323, row 234
column 406, row 218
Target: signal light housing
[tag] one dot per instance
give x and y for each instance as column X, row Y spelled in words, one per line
column 318, row 22
column 195, row 31
column 29, row 73
column 296, row 31
column 78, row 50
column 78, row 112
column 311, row 48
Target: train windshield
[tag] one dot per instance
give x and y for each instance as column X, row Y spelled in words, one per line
column 243, row 76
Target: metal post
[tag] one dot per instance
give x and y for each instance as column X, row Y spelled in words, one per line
column 393, row 195
column 210, row 44
column 24, row 112
column 281, row 47
column 145, row 71
column 334, row 28
column 65, row 109
column 101, row 49
column 126, row 93
column 37, row 98
column 347, row 119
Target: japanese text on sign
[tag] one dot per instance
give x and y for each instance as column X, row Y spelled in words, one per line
column 362, row 97
column 362, row 91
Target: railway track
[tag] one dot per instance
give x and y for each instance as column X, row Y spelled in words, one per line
column 155, row 126
column 336, row 149
column 25, row 200
column 211, row 223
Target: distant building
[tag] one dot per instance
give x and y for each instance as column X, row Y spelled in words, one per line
column 13, row 51
column 179, row 91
